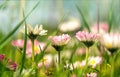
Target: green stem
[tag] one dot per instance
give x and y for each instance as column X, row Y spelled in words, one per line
column 59, row 58
column 86, row 65
column 43, row 64
column 87, row 55
column 32, row 51
column 36, row 74
column 112, row 66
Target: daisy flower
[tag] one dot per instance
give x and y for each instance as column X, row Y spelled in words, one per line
column 86, row 38
column 111, row 41
column 92, row 61
column 103, row 28
column 34, row 32
column 70, row 25
column 59, row 41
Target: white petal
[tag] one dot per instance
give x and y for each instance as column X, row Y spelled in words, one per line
column 40, row 27
column 30, row 29
column 43, row 32
column 36, row 30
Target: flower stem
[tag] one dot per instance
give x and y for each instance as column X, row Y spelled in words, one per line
column 87, row 55
column 59, row 58
column 32, row 51
column 86, row 65
column 112, row 65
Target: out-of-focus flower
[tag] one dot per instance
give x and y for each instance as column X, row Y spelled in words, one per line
column 92, row 61
column 18, row 43
column 73, row 75
column 87, row 38
column 37, row 46
column 60, row 41
column 7, row 63
column 34, row 32
column 82, row 64
column 111, row 41
column 2, row 56
column 91, row 75
column 103, row 28
column 12, row 65
column 46, row 61
column 70, row 25
column 29, row 51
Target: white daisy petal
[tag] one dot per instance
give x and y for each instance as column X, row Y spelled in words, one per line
column 34, row 32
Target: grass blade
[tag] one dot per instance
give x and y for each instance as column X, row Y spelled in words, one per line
column 17, row 26
column 24, row 50
column 72, row 54
column 83, row 18
column 1, row 46
column 110, row 17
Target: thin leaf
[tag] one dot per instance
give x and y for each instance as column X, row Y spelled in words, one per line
column 83, row 18
column 24, row 50
column 73, row 52
column 17, row 26
column 1, row 46
column 110, row 17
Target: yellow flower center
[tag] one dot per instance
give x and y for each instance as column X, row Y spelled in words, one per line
column 36, row 49
column 92, row 62
column 45, row 59
column 108, row 45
